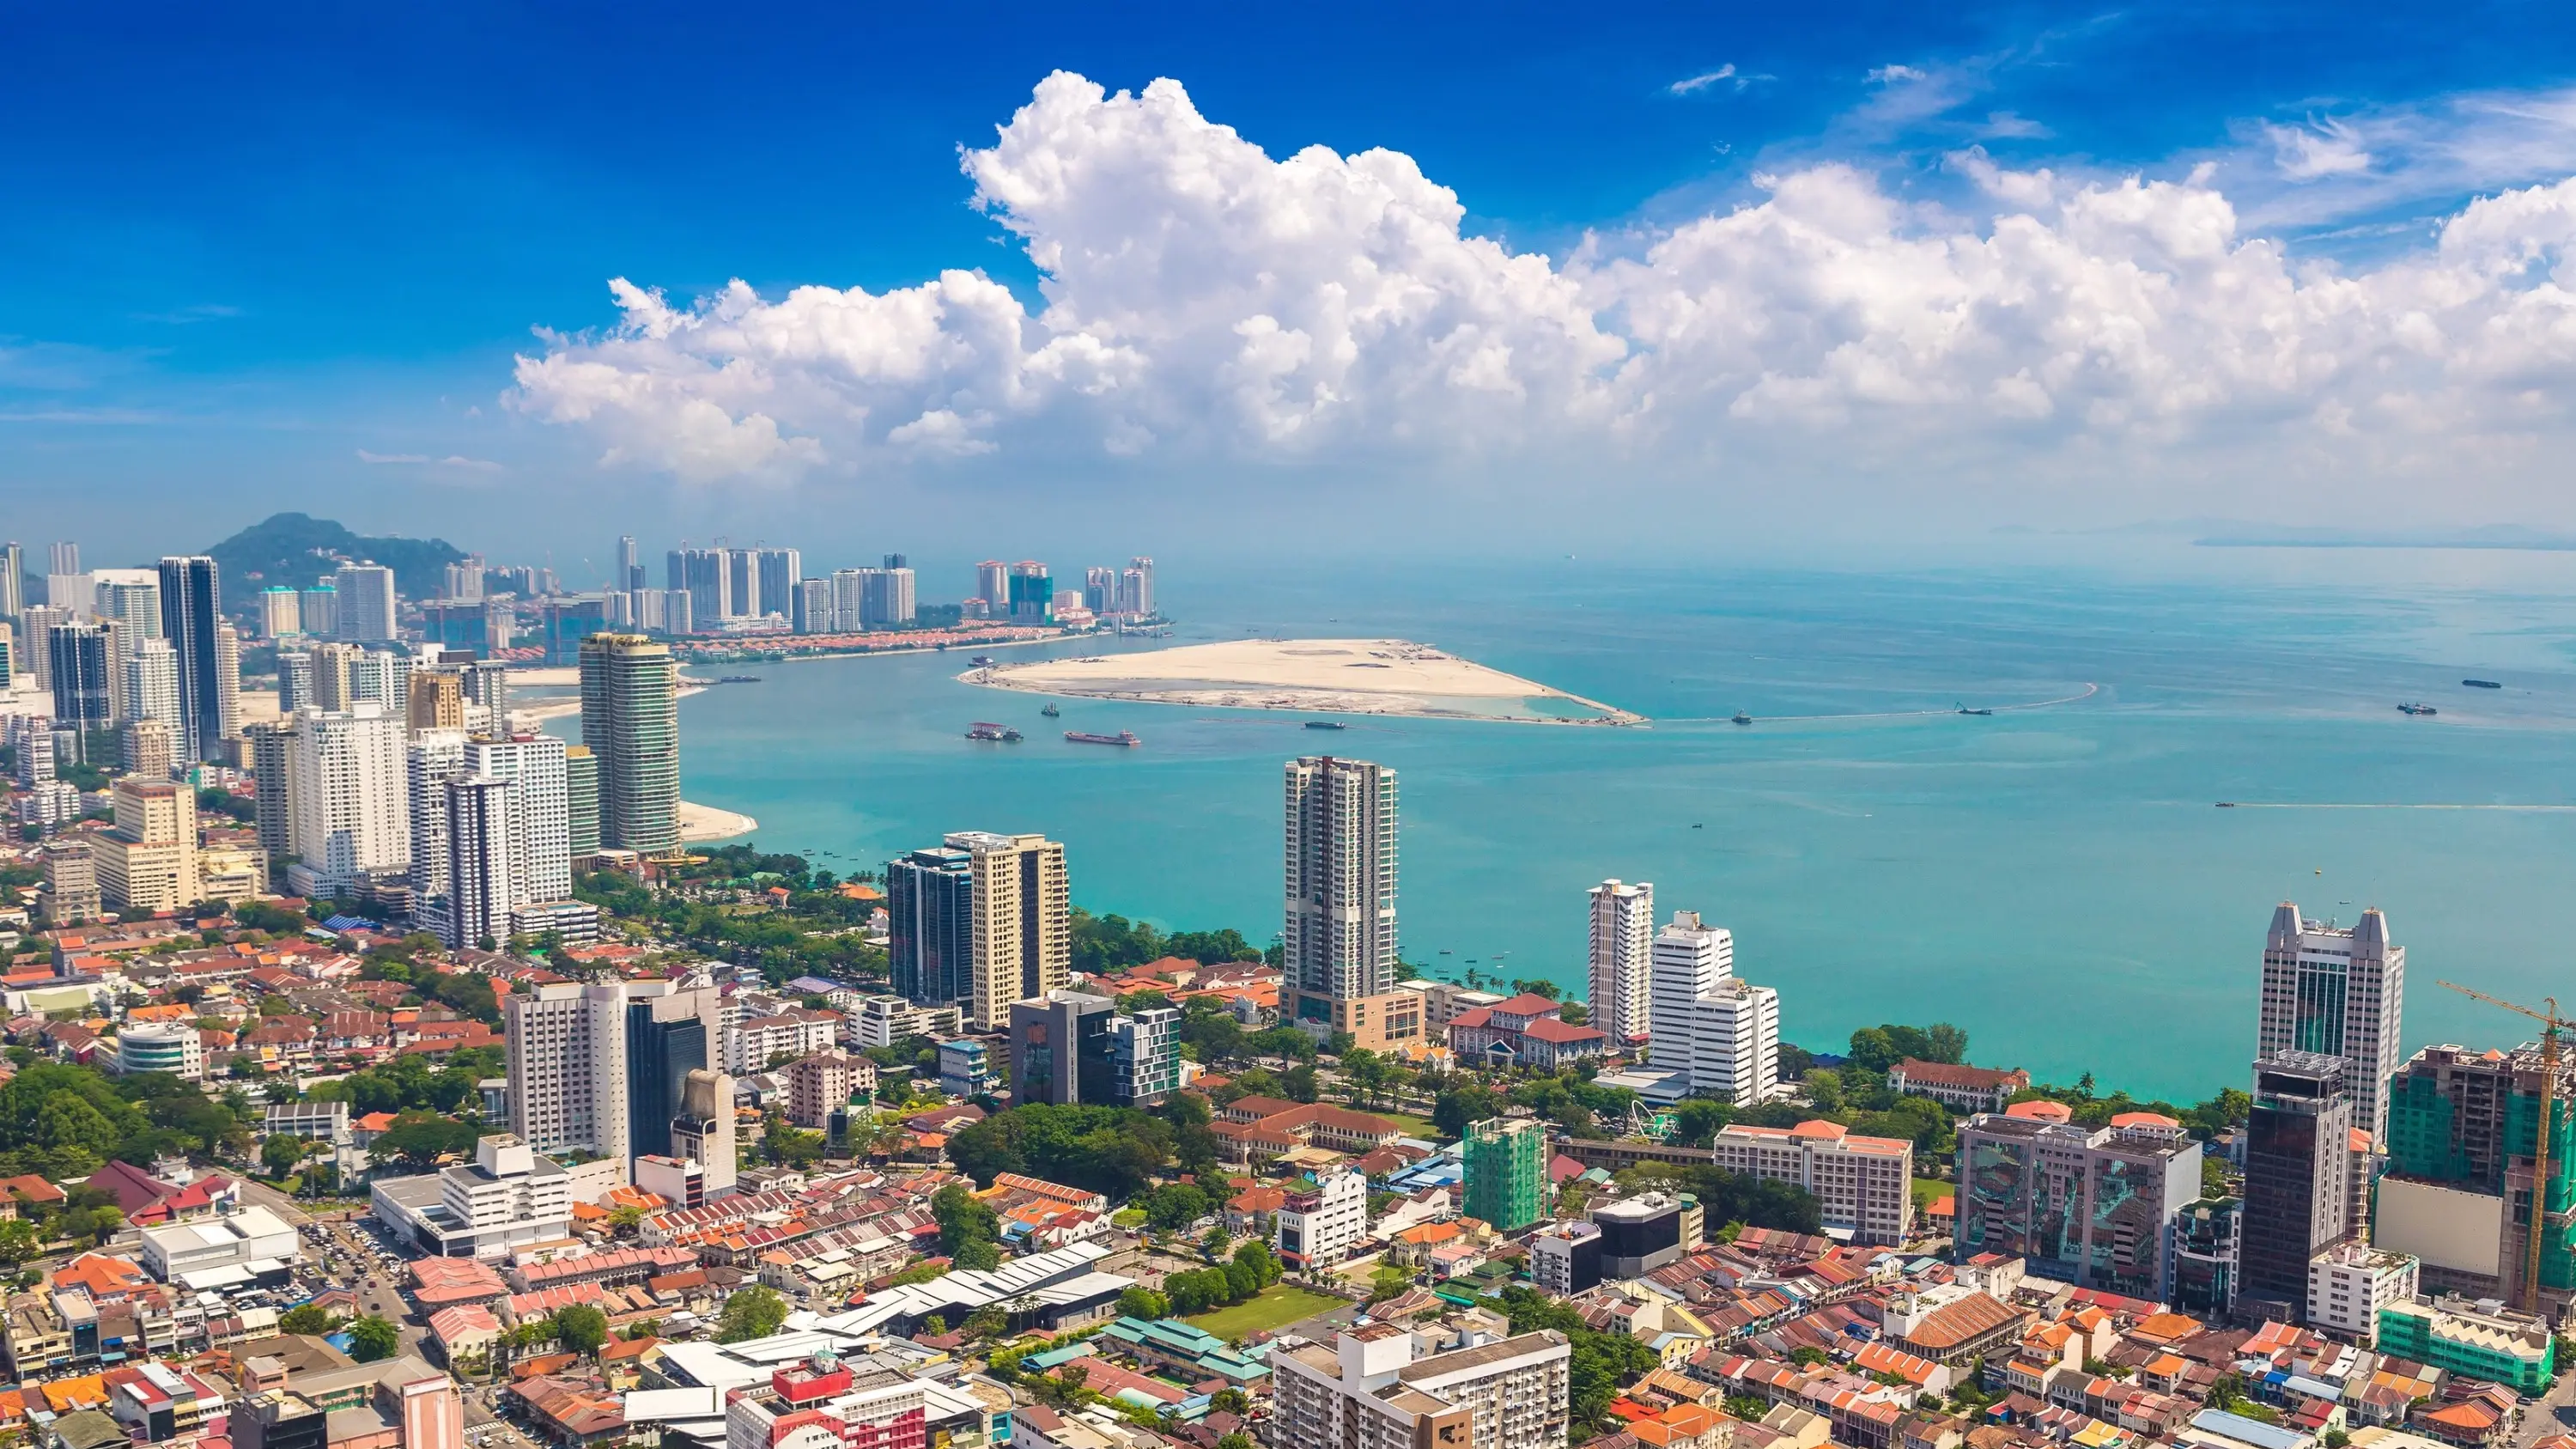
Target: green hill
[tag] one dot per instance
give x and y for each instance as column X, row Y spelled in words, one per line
column 297, row 549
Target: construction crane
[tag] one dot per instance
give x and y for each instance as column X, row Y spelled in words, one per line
column 2551, row 1023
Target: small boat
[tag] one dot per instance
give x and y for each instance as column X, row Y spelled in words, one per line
column 1963, row 709
column 1326, row 724
column 2226, row 804
column 1696, row 826
column 738, row 679
column 987, row 730
column 2481, row 684
column 1742, row 718
column 1123, row 737
column 2413, row 707
column 981, row 659
column 1050, row 711
column 1444, row 950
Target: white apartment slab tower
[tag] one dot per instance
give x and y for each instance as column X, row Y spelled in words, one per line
column 1622, row 957
column 348, row 799
column 567, row 1056
column 1689, row 960
column 2339, row 992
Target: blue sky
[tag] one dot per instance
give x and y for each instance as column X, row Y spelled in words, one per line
column 240, row 259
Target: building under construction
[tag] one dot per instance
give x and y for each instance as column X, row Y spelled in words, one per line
column 2462, row 1129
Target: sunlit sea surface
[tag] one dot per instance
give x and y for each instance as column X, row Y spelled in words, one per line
column 2058, row 879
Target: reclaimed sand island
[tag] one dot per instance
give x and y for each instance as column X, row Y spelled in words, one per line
column 1313, row 676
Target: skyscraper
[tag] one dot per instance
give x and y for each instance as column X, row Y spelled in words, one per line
column 1339, row 872
column 432, row 759
column 814, row 612
column 191, row 614
column 319, row 608
column 1100, row 590
column 436, row 699
column 152, row 683
column 780, row 570
column 581, row 800
column 930, row 947
column 2342, row 992
column 630, row 720
column 13, row 579
column 281, row 612
column 1622, row 959
column 629, row 574
column 885, row 599
column 1023, row 925
column 1060, row 1049
column 1139, row 580
column 66, row 559
column 2457, row 1193
column 365, row 608
column 268, row 766
column 567, row 1055
column 670, row 1032
column 1735, row 1043
column 40, row 621
column 1506, row 1165
column 349, row 796
column 702, row 575
column 532, row 765
column 742, row 582
column 2297, row 1157
column 84, row 693
column 130, row 598
column 1032, row 594
column 478, row 874
column 993, row 586
column 228, row 717
column 148, row 862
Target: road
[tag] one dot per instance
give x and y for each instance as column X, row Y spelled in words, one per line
column 275, row 1201
column 355, row 1258
column 2553, row 1413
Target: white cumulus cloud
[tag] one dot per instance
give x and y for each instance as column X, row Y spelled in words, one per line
column 1202, row 300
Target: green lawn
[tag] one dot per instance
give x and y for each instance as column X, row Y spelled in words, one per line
column 1413, row 1126
column 1277, row 1306
column 1929, row 1190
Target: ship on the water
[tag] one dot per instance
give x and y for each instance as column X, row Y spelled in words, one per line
column 2414, row 707
column 1742, row 718
column 1123, row 737
column 2481, row 684
column 1963, row 709
column 1326, row 724
column 987, row 730
column 981, row 659
column 739, row 679
column 1050, row 711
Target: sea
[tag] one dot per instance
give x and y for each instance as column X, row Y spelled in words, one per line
column 2056, row 877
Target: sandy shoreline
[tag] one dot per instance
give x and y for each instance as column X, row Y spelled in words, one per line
column 702, row 823
column 1314, row 676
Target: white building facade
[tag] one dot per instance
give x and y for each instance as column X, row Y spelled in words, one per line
column 349, row 804
column 1317, row 1229
column 1735, row 1043
column 567, row 1054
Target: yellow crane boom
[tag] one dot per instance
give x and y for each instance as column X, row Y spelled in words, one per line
column 2552, row 1023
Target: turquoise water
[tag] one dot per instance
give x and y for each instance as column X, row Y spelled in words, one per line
column 2056, row 880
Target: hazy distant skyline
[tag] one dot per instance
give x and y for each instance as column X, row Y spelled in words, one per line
column 1155, row 279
